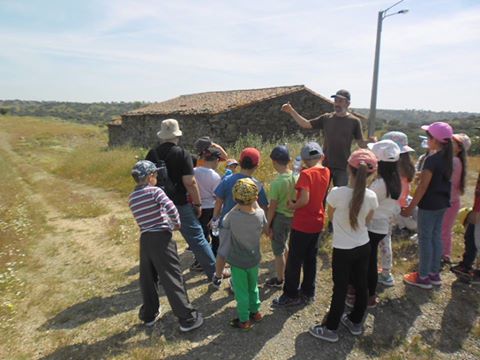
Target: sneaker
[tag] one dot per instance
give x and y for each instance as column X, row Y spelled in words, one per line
column 216, row 281
column 435, row 279
column 372, row 302
column 226, row 273
column 415, row 280
column 236, row 323
column 350, row 291
column 308, row 300
column 446, row 260
column 350, row 301
column 414, row 238
column 386, row 279
column 475, row 277
column 155, row 319
column 321, row 332
column 256, row 317
column 285, row 301
column 274, row 282
column 196, row 266
column 460, row 269
column 191, row 324
column 355, row 329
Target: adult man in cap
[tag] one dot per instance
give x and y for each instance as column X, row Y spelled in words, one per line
column 180, row 171
column 339, row 129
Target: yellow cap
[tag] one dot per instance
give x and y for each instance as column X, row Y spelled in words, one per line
column 245, row 191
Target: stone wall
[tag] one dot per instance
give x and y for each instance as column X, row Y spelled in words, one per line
column 263, row 118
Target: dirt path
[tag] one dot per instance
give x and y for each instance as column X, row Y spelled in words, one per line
column 83, row 299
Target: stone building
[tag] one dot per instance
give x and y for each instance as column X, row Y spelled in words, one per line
column 223, row 115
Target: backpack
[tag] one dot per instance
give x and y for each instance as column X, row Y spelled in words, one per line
column 163, row 180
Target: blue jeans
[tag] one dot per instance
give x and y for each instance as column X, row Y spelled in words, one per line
column 430, row 240
column 192, row 231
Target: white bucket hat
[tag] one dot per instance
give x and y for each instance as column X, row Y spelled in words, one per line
column 169, row 129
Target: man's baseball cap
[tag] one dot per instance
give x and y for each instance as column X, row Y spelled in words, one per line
column 280, row 153
column 311, row 151
column 142, row 169
column 385, row 150
column 252, row 154
column 343, row 94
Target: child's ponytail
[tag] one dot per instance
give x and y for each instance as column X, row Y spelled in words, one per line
column 360, row 184
column 462, row 155
column 448, row 158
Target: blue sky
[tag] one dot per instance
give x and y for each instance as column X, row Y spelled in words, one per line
column 127, row 50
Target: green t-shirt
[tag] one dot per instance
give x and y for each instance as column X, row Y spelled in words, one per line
column 282, row 188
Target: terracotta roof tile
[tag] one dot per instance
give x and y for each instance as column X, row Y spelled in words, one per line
column 214, row 102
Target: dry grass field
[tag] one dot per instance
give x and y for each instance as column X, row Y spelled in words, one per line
column 69, row 270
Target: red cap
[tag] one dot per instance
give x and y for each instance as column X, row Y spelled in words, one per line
column 251, row 153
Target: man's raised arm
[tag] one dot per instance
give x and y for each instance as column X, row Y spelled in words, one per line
column 304, row 123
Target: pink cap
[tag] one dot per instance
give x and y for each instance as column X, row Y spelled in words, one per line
column 365, row 157
column 463, row 140
column 440, row 131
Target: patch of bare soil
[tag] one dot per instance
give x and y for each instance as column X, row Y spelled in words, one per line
column 83, row 300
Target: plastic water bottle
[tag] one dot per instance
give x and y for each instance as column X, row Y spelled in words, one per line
column 215, row 230
column 297, row 165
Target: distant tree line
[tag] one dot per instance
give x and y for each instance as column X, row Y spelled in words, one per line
column 86, row 113
column 418, row 116
column 407, row 121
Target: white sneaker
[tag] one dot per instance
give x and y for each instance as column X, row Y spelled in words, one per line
column 152, row 322
column 192, row 324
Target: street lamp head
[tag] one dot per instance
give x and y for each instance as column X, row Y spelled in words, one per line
column 404, row 11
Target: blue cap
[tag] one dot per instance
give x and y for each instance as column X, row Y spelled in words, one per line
column 280, row 153
column 311, row 150
column 143, row 168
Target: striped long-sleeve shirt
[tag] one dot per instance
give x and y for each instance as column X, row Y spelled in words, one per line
column 152, row 209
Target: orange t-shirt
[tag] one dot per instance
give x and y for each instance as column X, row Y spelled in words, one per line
column 310, row 218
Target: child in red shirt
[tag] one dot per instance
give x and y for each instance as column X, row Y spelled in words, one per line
column 307, row 224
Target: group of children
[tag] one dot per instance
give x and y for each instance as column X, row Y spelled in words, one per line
column 362, row 214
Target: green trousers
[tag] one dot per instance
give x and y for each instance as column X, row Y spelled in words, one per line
column 245, row 285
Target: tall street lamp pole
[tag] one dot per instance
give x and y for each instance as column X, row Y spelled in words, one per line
column 373, row 102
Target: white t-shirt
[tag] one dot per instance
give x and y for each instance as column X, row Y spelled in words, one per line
column 207, row 180
column 387, row 208
column 344, row 237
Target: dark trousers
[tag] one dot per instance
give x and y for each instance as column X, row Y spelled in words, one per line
column 346, row 264
column 207, row 215
column 372, row 264
column 303, row 248
column 470, row 249
column 159, row 259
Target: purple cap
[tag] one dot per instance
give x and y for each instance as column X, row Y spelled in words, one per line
column 440, row 131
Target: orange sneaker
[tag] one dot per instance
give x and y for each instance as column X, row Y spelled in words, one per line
column 256, row 317
column 415, row 279
column 245, row 325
